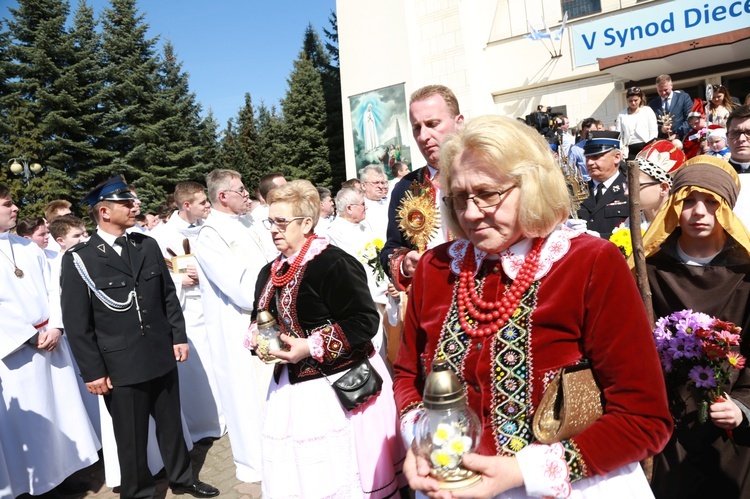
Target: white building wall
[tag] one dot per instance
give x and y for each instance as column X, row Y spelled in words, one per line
column 479, row 49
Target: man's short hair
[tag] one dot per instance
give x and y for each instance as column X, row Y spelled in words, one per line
column 346, row 197
column 446, row 93
column 219, row 180
column 64, row 224
column 184, row 192
column 365, row 172
column 323, row 192
column 4, row 191
column 663, row 79
column 397, row 167
column 266, row 183
column 352, row 183
column 53, row 207
column 738, row 113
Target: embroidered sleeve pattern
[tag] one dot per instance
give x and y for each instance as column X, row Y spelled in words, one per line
column 315, row 343
column 400, row 281
column 577, row 469
column 549, row 470
column 332, row 341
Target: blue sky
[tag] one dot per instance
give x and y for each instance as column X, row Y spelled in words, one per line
column 230, row 47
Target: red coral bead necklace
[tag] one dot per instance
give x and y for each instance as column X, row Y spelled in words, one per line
column 280, row 277
column 490, row 316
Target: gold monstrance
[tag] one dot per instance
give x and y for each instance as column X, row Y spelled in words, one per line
column 417, row 216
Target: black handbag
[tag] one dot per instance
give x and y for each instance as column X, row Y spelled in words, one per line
column 358, row 385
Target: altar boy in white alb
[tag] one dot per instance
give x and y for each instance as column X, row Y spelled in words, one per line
column 198, row 388
column 45, row 433
column 230, row 253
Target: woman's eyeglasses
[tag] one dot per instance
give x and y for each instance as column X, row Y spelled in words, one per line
column 482, row 200
column 281, row 223
column 634, row 91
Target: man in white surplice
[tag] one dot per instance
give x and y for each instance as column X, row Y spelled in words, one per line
column 230, row 254
column 349, row 232
column 45, row 433
column 375, row 188
column 198, row 388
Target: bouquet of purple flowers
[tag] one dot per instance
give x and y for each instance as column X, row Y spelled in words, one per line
column 696, row 349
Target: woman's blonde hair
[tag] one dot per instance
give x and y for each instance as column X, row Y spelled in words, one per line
column 301, row 195
column 512, row 149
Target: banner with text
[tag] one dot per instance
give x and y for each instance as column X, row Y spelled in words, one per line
column 650, row 27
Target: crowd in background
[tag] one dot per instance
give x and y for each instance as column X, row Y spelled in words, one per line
column 226, row 247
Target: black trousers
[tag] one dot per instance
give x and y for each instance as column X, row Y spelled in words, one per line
column 130, row 407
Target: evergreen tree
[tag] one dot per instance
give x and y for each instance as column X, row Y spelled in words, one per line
column 131, row 80
column 209, row 157
column 314, row 50
column 247, row 135
column 5, row 103
column 305, row 125
column 80, row 122
column 38, row 51
column 170, row 141
column 271, row 148
column 233, row 155
column 332, row 45
column 331, row 78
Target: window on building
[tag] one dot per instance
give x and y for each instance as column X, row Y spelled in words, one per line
column 580, row 8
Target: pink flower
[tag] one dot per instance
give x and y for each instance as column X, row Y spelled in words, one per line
column 736, row 360
column 728, row 338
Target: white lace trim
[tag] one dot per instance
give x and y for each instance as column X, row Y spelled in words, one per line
column 316, row 248
column 554, row 248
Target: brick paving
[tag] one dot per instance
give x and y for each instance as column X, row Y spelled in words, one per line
column 212, row 462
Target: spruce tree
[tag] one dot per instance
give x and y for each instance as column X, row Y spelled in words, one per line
column 39, row 49
column 209, row 155
column 5, row 104
column 80, row 122
column 131, row 79
column 247, row 135
column 170, row 140
column 233, row 156
column 305, row 125
column 330, row 76
column 271, row 148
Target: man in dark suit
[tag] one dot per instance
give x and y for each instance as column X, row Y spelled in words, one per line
column 433, row 113
column 126, row 330
column 675, row 103
column 607, row 205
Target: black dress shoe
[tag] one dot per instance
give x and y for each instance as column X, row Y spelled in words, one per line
column 196, row 489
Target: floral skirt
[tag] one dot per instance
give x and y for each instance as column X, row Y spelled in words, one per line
column 313, row 448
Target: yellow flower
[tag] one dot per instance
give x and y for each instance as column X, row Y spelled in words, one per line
column 515, row 444
column 460, row 445
column 443, row 433
column 378, row 243
column 443, row 459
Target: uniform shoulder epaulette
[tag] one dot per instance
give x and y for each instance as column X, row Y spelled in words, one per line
column 78, row 246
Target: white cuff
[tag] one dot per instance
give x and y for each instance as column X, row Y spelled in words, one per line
column 545, row 471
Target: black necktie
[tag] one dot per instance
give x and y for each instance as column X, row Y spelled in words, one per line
column 123, row 242
column 599, row 191
column 666, row 105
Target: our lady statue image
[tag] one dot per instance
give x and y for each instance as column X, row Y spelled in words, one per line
column 371, row 132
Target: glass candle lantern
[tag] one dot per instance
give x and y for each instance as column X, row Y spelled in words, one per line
column 448, row 429
column 268, row 337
